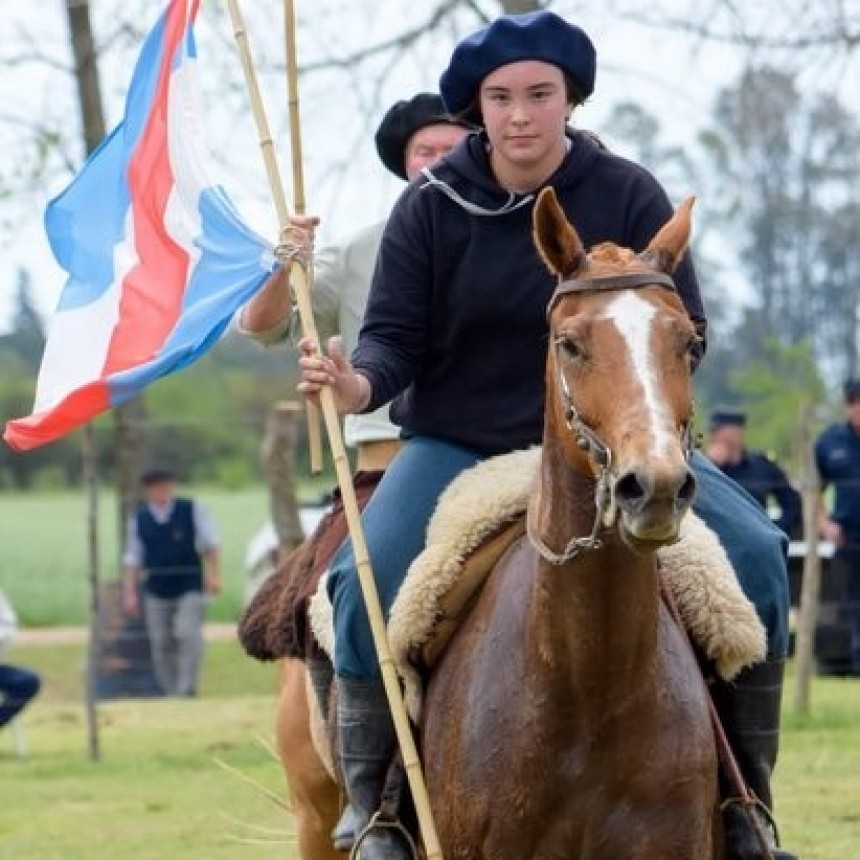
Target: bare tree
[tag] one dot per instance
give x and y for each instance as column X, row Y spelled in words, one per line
column 128, row 418
column 787, row 166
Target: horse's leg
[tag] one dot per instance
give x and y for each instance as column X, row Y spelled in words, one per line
column 315, row 795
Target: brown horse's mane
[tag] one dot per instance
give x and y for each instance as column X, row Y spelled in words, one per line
column 611, row 254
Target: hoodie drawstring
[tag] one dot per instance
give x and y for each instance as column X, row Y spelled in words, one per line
column 510, row 205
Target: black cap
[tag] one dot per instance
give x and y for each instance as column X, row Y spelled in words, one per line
column 727, row 418
column 157, row 475
column 851, row 390
column 402, row 120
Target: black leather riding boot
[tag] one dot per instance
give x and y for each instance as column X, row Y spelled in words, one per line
column 367, row 742
column 749, row 710
column 322, row 676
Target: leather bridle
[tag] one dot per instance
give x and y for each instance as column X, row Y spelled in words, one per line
column 586, row 438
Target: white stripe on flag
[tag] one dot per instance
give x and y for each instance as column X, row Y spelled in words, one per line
column 187, row 160
column 78, row 339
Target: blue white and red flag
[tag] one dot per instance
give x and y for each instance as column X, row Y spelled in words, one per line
column 158, row 259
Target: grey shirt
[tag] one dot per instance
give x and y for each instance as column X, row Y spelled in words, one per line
column 341, row 281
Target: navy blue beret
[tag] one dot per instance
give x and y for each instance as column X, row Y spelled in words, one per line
column 727, row 418
column 535, row 36
column 851, row 390
column 402, row 120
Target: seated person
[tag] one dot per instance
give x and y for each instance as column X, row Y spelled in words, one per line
column 17, row 685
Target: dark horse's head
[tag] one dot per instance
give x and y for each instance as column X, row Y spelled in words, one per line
column 619, row 399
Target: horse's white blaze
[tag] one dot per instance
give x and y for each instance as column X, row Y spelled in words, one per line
column 634, row 319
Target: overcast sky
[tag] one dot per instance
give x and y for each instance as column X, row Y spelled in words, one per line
column 674, row 78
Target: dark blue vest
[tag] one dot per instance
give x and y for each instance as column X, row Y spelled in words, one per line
column 170, row 556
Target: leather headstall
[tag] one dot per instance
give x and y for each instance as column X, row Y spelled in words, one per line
column 610, row 282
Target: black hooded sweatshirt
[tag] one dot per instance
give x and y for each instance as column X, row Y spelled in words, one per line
column 455, row 326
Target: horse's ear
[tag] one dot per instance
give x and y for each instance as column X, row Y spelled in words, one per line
column 554, row 237
column 667, row 248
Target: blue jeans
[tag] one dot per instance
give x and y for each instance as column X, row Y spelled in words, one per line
column 755, row 546
column 17, row 687
column 395, row 525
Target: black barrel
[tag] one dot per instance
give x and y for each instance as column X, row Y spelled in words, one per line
column 124, row 662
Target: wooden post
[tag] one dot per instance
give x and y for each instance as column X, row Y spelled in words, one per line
column 807, row 618
column 89, row 463
column 277, row 458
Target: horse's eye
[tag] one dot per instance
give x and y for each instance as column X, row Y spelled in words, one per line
column 693, row 346
column 570, row 347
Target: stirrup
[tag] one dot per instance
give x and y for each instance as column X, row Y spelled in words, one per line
column 377, row 822
column 761, row 818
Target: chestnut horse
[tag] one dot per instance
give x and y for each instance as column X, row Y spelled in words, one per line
column 568, row 716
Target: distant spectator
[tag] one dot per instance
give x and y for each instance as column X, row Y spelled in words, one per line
column 172, row 543
column 17, row 685
column 753, row 470
column 837, row 455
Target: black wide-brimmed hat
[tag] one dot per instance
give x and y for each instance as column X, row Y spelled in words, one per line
column 402, row 120
column 540, row 36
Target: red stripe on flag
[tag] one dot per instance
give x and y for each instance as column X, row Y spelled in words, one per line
column 80, row 406
column 152, row 292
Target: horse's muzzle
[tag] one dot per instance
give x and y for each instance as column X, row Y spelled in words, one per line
column 652, row 503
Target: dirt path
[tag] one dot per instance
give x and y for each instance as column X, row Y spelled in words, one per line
column 214, row 632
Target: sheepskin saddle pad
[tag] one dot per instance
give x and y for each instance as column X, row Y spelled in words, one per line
column 480, row 515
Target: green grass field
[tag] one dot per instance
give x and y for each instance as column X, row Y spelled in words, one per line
column 44, row 541
column 159, row 791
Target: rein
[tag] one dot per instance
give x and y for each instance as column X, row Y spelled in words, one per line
column 744, row 796
column 586, row 438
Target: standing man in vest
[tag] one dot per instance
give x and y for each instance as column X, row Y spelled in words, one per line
column 172, row 543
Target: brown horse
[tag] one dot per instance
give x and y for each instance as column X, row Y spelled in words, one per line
column 314, row 794
column 568, row 717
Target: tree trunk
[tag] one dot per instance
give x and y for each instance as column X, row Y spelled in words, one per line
column 128, row 418
column 807, row 619
column 89, row 97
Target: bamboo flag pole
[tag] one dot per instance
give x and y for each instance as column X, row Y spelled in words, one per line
column 402, row 727
column 314, row 434
column 296, row 272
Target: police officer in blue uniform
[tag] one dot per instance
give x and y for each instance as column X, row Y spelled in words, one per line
column 837, row 455
column 753, row 470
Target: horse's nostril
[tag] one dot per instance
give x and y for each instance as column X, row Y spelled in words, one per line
column 629, row 491
column 687, row 490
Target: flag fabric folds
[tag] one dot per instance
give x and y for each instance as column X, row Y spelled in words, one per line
column 158, row 259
